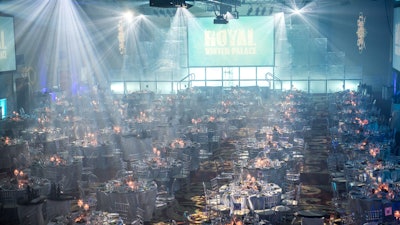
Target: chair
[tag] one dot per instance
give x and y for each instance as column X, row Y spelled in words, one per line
column 207, row 196
column 292, row 179
column 139, row 217
column 185, row 169
column 142, row 172
column 185, row 157
column 122, row 208
column 297, row 197
column 373, row 216
column 163, row 175
column 283, row 214
column 272, row 200
column 202, row 138
column 214, row 185
column 211, row 195
column 256, row 202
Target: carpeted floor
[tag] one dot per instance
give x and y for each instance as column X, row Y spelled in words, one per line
column 316, row 192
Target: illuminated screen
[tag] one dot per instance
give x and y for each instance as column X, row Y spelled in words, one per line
column 396, row 39
column 3, row 108
column 247, row 41
column 7, row 44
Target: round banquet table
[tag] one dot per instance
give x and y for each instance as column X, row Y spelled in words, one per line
column 268, row 197
column 66, row 175
column 144, row 199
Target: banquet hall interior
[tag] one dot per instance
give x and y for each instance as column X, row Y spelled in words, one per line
column 161, row 112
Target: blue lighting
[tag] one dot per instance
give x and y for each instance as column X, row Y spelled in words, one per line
column 53, row 96
column 3, row 106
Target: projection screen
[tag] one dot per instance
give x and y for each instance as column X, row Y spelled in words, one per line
column 247, row 41
column 7, row 44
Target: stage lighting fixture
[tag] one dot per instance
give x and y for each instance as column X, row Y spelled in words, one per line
column 169, row 3
column 220, row 20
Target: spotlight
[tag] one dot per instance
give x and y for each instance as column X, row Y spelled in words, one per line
column 169, row 4
column 128, row 16
column 232, row 15
column 297, row 11
column 220, row 20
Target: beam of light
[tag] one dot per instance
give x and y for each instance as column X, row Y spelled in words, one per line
column 60, row 41
column 305, row 9
column 175, row 43
column 281, row 41
column 63, row 43
column 314, row 14
column 75, row 46
column 231, row 16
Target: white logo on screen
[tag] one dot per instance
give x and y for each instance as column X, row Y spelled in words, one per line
column 3, row 52
column 230, row 42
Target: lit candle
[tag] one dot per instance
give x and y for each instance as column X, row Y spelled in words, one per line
column 16, row 172
column 248, row 177
column 86, row 207
column 80, row 203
